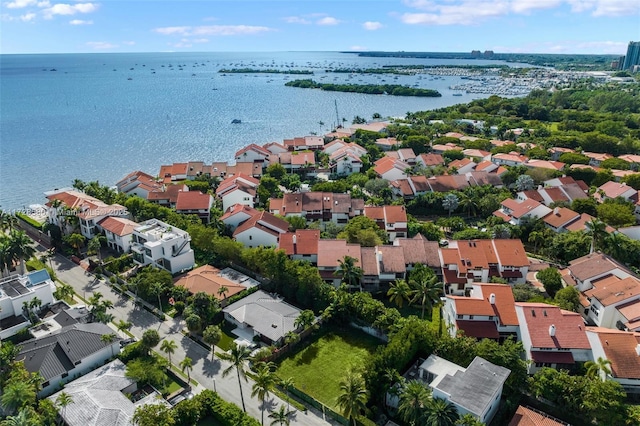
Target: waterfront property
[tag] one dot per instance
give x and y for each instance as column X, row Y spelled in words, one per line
column 161, row 245
column 211, row 280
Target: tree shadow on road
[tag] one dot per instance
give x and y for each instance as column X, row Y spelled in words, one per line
column 211, row 368
column 193, row 350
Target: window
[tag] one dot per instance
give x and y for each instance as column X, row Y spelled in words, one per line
column 459, row 316
column 250, row 237
column 470, row 317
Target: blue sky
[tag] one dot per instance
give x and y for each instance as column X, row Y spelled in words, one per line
column 532, row 26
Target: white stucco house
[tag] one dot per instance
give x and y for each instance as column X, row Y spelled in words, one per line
column 161, row 245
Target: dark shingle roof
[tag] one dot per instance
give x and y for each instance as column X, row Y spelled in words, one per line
column 58, row 352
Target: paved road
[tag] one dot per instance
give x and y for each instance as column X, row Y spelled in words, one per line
column 206, row 372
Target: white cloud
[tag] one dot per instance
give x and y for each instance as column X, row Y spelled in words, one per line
column 357, row 48
column 372, row 25
column 129, row 43
column 296, row 20
column 20, row 4
column 213, row 30
column 567, row 46
column 101, row 45
column 80, row 22
column 28, row 17
column 469, row 12
column 327, row 20
column 69, row 9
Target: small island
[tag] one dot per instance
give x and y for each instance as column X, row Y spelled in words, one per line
column 370, row 89
column 263, row 71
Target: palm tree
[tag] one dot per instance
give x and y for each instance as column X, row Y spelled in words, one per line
column 187, row 364
column 536, row 237
column 286, row 385
column 168, row 347
column 353, row 396
column 305, row 319
column 597, row 230
column 157, row 289
column 614, row 243
column 64, row 292
column 595, row 368
column 349, row 272
column 441, row 412
column 263, row 383
column 25, row 417
column 413, row 401
column 238, row 356
column 109, row 339
column 8, row 221
column 399, row 292
column 524, row 183
column 6, row 255
column 450, row 202
column 95, row 244
column 16, row 395
column 281, row 417
column 222, row 291
column 211, row 336
column 468, row 204
column 21, row 248
column 123, row 325
column 426, row 288
column 76, row 241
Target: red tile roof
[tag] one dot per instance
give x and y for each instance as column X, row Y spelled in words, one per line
column 594, row 264
column 238, row 208
column 527, row 417
column 193, row 200
column 207, row 279
column 430, row 159
column 331, row 252
column 303, row 158
column 264, row 221
column 306, row 242
column 419, row 250
column 118, row 225
column 520, row 209
column 620, row 349
column 560, row 216
column 253, row 147
column 478, row 329
column 569, row 326
column 614, row 290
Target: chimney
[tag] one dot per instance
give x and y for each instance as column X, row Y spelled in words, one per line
column 492, row 298
column 552, row 330
column 379, row 256
column 556, row 211
column 294, row 240
column 638, row 349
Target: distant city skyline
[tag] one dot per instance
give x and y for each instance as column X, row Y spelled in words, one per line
column 504, row 26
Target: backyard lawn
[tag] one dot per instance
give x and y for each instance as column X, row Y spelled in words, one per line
column 227, row 337
column 318, row 369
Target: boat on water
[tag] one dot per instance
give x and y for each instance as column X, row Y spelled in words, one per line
column 457, row 94
column 236, row 121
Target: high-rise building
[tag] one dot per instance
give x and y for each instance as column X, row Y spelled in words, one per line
column 633, row 55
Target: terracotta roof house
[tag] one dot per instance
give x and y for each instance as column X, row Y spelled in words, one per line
column 118, row 232
column 478, row 154
column 138, row 183
column 430, row 160
column 407, row 155
column 393, row 219
column 480, row 178
column 441, row 149
column 275, row 147
column 613, row 190
column 382, row 264
column 346, row 160
column 510, row 159
column 321, row 206
column 446, row 183
column 304, row 160
column 264, row 315
column 629, row 314
column 251, row 154
column 301, row 244
column 557, row 151
column 462, row 166
column 596, row 158
column 261, row 230
column 581, row 224
column 67, row 353
column 333, row 146
column 567, row 180
column 498, row 143
column 632, row 159
column 583, row 271
column 210, row 280
column 606, row 296
column 237, row 214
column 195, row 202
column 466, row 262
column 559, row 218
column 526, row 416
column 488, row 312
column 89, row 210
column 513, row 211
column 622, row 350
column 420, row 250
column 168, row 197
column 304, row 143
column 173, row 172
column 546, row 164
column 390, row 168
column 331, row 253
column 374, row 126
column 238, row 189
column 100, row 398
column 552, row 337
column 387, row 144
column 486, row 166
column 474, row 390
column 453, row 135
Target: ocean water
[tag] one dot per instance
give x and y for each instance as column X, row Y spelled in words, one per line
column 101, row 116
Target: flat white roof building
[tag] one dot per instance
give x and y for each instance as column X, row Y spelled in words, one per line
column 162, row 245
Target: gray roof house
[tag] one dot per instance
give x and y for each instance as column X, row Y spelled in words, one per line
column 474, row 390
column 99, row 398
column 67, row 353
column 267, row 315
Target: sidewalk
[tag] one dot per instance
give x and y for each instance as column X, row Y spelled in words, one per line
column 206, row 372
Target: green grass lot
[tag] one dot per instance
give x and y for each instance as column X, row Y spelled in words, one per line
column 227, row 338
column 318, row 368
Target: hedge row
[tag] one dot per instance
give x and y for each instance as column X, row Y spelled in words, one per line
column 209, row 404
